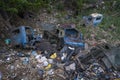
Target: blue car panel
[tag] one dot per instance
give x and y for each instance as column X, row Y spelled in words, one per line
column 20, row 36
column 73, row 38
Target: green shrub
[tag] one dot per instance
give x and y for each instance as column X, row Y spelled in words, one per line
column 18, row 6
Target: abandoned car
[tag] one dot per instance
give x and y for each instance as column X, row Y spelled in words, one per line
column 23, row 36
column 92, row 20
column 63, row 35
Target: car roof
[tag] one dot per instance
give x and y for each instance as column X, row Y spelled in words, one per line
column 96, row 14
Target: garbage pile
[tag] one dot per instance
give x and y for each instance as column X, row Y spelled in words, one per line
column 65, row 65
column 60, row 54
column 26, row 66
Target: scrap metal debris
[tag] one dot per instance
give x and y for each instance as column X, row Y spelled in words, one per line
column 70, row 62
